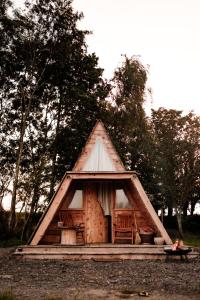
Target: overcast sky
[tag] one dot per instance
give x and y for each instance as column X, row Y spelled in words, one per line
column 165, row 33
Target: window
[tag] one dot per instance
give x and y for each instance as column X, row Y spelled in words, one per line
column 77, row 200
column 121, row 200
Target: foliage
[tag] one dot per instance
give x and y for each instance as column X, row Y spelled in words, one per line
column 177, row 158
column 126, row 119
column 51, row 89
column 192, row 239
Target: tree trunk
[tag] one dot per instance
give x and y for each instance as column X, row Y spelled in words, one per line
column 36, row 195
column 52, row 182
column 34, row 202
column 12, row 219
column 179, row 222
column 193, row 204
column 1, row 206
column 162, row 214
column 185, row 208
column 170, row 210
column 25, row 231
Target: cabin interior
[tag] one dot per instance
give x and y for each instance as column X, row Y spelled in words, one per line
column 98, row 211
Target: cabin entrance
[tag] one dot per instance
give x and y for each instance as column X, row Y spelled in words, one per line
column 98, row 206
column 104, row 202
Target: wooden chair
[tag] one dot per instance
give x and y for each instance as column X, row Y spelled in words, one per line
column 123, row 226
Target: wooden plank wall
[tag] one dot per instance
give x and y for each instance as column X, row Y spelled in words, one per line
column 96, row 227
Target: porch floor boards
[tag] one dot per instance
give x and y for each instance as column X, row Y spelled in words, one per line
column 98, row 252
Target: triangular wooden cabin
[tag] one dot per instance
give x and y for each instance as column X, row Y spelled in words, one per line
column 97, row 203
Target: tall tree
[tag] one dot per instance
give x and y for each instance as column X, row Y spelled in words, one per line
column 127, row 120
column 75, row 76
column 177, row 163
column 47, row 72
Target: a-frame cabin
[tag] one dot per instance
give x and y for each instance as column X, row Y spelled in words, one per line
column 97, row 203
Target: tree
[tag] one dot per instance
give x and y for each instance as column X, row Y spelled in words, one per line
column 127, row 121
column 19, row 66
column 51, row 88
column 177, row 163
column 76, row 78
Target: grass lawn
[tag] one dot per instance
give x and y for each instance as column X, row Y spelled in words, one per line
column 192, row 239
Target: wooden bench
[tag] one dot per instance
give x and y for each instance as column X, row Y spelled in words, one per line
column 181, row 252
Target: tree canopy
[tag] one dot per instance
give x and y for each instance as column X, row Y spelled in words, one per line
column 51, row 88
column 178, row 158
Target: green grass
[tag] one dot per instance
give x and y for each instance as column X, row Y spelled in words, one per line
column 192, row 239
column 7, row 295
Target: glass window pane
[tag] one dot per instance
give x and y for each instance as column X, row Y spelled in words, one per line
column 122, row 200
column 77, row 201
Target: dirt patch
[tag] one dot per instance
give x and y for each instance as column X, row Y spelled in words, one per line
column 80, row 280
column 6, row 251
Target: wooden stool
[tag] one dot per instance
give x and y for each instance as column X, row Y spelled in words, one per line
column 68, row 236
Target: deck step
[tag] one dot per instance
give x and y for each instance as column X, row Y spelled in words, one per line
column 95, row 252
column 110, row 259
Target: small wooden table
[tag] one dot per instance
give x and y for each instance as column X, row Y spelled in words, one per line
column 182, row 252
column 68, row 236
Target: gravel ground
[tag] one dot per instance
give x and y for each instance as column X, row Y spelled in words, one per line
column 56, row 280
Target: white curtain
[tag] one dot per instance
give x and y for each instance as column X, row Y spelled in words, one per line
column 104, row 197
column 99, row 159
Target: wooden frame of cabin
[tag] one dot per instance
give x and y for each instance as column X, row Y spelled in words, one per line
column 97, row 225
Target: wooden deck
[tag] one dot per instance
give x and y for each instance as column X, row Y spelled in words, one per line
column 108, row 252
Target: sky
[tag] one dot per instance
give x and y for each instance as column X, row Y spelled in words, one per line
column 164, row 33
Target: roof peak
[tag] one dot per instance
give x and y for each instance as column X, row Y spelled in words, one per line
column 99, row 153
